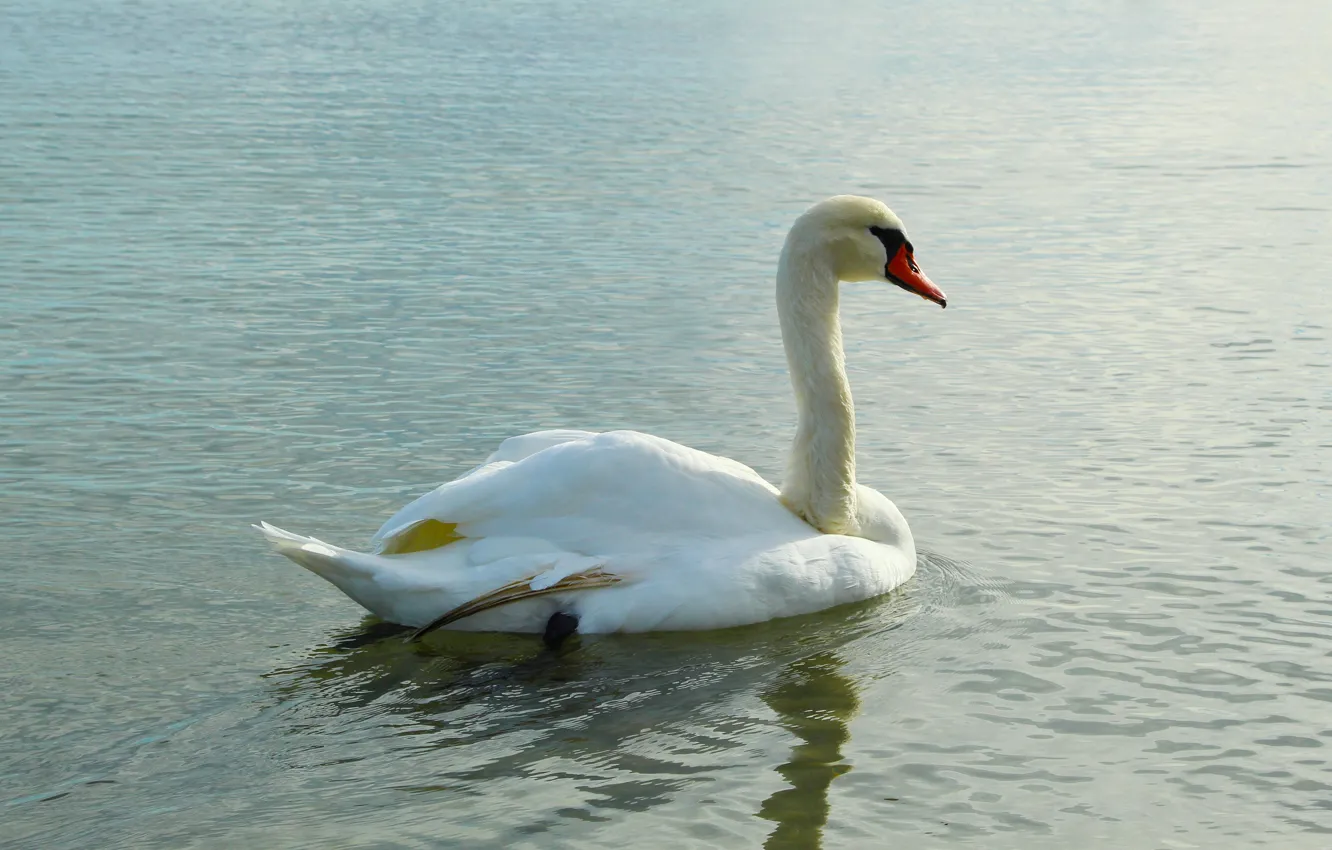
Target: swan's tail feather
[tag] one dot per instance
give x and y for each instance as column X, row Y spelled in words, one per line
column 514, row 591
column 315, row 555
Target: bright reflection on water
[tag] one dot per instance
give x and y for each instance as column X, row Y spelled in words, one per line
column 301, row 260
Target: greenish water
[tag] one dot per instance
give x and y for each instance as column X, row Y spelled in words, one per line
column 300, row 261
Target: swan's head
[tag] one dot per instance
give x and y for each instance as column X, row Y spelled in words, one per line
column 863, row 240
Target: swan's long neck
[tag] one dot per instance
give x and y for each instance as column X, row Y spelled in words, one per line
column 821, row 472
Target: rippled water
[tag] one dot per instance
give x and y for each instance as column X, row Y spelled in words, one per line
column 301, row 260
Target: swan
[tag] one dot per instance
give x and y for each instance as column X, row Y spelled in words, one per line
column 573, row 531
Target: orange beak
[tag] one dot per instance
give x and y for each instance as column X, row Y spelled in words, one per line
column 903, row 271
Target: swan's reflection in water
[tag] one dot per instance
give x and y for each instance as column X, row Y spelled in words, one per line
column 816, row 703
column 617, row 723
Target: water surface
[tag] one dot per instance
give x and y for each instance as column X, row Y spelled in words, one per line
column 302, row 260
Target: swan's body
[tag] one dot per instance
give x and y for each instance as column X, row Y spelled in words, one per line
column 699, row 542
column 629, row 532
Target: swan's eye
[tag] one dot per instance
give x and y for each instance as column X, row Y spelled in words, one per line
column 911, row 257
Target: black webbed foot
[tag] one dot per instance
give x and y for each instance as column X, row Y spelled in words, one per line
column 558, row 627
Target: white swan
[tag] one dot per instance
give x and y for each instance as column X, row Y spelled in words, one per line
column 626, row 532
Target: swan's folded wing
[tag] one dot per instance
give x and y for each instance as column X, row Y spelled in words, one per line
column 424, row 523
column 418, row 526
column 591, row 494
column 517, row 448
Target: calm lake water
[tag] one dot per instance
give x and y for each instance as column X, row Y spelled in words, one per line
column 301, row 260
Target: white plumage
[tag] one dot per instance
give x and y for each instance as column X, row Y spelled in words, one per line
column 630, row 532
